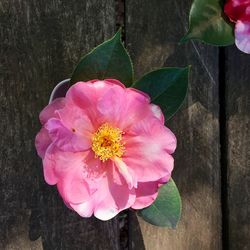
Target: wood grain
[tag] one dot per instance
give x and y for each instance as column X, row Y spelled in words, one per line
column 153, row 29
column 41, row 41
column 237, row 81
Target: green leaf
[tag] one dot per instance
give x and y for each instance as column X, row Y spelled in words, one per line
column 108, row 60
column 166, row 210
column 207, row 22
column 167, row 88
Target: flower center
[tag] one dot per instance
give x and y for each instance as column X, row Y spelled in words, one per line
column 107, row 142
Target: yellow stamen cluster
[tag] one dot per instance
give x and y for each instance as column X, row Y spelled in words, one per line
column 107, row 142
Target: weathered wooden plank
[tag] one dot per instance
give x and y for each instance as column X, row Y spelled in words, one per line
column 153, row 29
column 40, row 43
column 237, row 82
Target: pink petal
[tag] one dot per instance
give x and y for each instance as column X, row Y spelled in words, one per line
column 42, row 142
column 76, row 119
column 157, row 112
column 111, row 104
column 146, row 194
column 94, row 168
column 49, row 166
column 73, row 188
column 84, row 209
column 137, row 108
column 82, row 94
column 148, row 149
column 86, row 94
column 242, row 36
column 152, row 130
column 139, row 94
column 122, row 196
column 114, row 82
column 68, row 205
column 125, row 172
column 67, row 170
column 66, row 139
column 49, row 111
column 123, row 107
column 57, row 164
column 108, row 101
column 113, row 195
column 164, row 180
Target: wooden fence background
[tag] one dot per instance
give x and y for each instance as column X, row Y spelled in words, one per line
column 40, row 42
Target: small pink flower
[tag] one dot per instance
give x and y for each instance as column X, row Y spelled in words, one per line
column 238, row 12
column 105, row 147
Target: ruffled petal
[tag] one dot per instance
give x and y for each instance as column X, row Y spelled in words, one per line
column 84, row 209
column 73, row 188
column 94, row 168
column 57, row 163
column 123, row 107
column 76, row 119
column 136, row 108
column 111, row 105
column 125, row 172
column 66, row 169
column 66, row 139
column 86, row 95
column 42, row 142
column 50, row 110
column 242, row 35
column 49, row 166
column 82, row 94
column 146, row 194
column 113, row 82
column 151, row 131
column 157, row 112
column 113, row 195
column 148, row 149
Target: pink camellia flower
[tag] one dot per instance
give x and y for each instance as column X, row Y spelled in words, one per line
column 238, row 12
column 105, row 147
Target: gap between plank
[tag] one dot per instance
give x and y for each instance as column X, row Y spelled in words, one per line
column 223, row 146
column 123, row 216
column 120, row 16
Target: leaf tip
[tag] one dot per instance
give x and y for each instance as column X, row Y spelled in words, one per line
column 118, row 34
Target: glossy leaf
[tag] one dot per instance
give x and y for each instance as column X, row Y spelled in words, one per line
column 166, row 210
column 207, row 22
column 108, row 60
column 167, row 88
